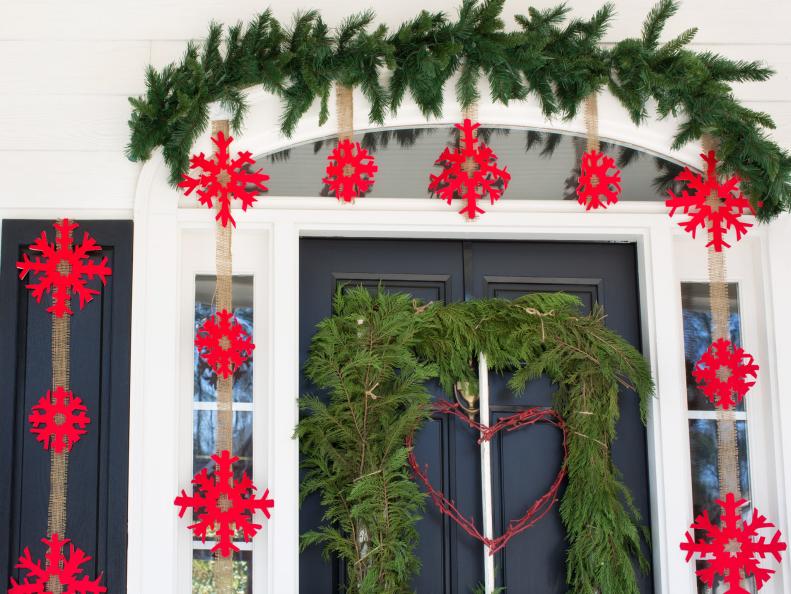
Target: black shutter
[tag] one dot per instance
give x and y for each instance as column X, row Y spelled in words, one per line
column 100, row 351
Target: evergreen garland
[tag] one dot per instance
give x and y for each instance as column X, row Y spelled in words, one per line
column 373, row 357
column 559, row 62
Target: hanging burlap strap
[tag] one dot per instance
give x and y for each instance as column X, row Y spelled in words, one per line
column 59, row 461
column 223, row 299
column 592, row 122
column 470, row 113
column 727, row 445
column 344, row 105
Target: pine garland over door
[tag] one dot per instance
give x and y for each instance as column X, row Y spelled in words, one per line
column 543, row 57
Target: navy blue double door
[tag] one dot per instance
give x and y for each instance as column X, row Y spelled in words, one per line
column 524, row 463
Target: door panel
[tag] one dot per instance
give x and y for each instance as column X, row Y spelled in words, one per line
column 98, row 465
column 527, row 461
column 430, row 271
column 524, row 463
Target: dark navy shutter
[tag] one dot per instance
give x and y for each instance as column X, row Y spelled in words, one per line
column 98, row 464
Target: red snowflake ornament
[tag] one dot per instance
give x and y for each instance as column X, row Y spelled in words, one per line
column 63, row 268
column 469, row 172
column 225, row 505
column 596, row 181
column 223, row 179
column 733, row 549
column 351, row 170
column 59, row 418
column 723, row 371
column 57, row 566
column 716, row 220
column 223, row 343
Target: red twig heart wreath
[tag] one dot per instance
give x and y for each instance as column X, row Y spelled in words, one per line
column 517, row 421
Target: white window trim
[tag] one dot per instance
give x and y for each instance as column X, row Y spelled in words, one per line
column 156, row 537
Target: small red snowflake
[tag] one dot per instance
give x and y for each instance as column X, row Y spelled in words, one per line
column 596, row 182
column 350, row 173
column 227, row 505
column 57, row 568
column 223, row 179
column 59, row 417
column 64, row 269
column 731, row 204
column 723, row 371
column 469, row 172
column 223, row 343
column 733, row 548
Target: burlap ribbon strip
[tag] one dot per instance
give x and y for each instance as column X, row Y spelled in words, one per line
column 59, row 461
column 470, row 113
column 344, row 105
column 592, row 123
column 727, row 445
column 223, row 300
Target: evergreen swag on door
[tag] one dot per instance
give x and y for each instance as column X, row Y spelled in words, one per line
column 372, row 358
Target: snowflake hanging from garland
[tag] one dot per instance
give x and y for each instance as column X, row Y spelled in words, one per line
column 63, row 268
column 224, row 505
column 718, row 218
column 223, row 179
column 596, row 181
column 723, row 371
column 733, row 549
column 57, row 567
column 59, row 418
column 223, row 343
column 350, row 173
column 469, row 172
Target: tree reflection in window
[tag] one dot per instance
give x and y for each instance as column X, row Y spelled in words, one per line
column 204, row 426
column 696, row 312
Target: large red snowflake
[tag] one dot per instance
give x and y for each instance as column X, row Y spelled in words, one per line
column 57, row 567
column 63, row 268
column 59, row 418
column 596, row 181
column 350, row 173
column 224, row 505
column 223, row 179
column 733, row 548
column 729, row 204
column 723, row 371
column 223, row 343
column 469, row 172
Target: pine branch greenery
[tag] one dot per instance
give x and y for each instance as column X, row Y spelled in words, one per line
column 372, row 359
column 543, row 55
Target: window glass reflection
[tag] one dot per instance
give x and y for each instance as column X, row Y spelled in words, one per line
column 697, row 335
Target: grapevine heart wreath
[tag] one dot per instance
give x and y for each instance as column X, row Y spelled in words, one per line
column 370, row 362
column 513, row 422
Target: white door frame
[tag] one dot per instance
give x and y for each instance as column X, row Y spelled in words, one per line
column 161, row 219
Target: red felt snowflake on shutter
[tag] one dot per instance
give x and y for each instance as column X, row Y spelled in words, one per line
column 723, row 372
column 65, row 569
column 350, row 173
column 734, row 548
column 715, row 219
column 223, row 343
column 224, row 505
column 64, row 268
column 59, row 417
column 596, row 181
column 223, row 179
column 469, row 172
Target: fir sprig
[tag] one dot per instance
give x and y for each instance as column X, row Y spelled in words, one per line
column 559, row 61
column 372, row 358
